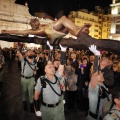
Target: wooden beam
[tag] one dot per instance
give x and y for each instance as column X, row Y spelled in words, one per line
column 82, row 42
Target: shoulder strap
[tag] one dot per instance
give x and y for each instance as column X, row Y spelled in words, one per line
column 24, row 65
column 30, row 64
column 112, row 105
column 103, row 93
column 43, row 80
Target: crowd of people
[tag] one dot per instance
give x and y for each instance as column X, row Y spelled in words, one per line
column 85, row 80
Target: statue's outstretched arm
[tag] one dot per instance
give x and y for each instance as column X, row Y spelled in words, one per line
column 24, row 32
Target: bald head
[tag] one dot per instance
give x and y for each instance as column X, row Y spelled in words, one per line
column 50, row 69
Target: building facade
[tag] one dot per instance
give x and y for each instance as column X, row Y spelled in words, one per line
column 12, row 17
column 115, row 20
column 100, row 28
column 15, row 17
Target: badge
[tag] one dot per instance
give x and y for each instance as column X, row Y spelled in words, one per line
column 114, row 115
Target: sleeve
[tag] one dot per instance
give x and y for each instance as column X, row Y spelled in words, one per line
column 58, row 75
column 22, row 59
column 38, row 85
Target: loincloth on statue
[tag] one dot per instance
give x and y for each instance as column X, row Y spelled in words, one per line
column 52, row 33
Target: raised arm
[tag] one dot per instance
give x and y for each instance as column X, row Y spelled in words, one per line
column 96, row 78
column 25, row 32
column 36, row 103
column 50, row 55
column 62, row 60
column 17, row 32
column 93, row 49
column 19, row 55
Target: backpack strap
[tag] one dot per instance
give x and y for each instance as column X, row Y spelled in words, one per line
column 112, row 105
column 103, row 93
column 24, row 66
column 43, row 83
column 29, row 63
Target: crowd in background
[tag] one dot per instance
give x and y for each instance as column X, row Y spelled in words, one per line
column 77, row 74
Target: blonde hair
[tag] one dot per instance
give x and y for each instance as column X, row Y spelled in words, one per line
column 118, row 65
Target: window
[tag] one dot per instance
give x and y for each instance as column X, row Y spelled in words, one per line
column 95, row 35
column 95, row 30
column 96, row 25
column 99, row 17
column 105, row 25
column 117, row 29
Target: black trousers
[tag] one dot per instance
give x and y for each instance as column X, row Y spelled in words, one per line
column 70, row 99
column 82, row 99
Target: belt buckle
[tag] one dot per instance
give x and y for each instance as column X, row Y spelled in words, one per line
column 46, row 105
column 54, row 105
column 28, row 77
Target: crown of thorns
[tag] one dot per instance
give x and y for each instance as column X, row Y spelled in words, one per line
column 34, row 19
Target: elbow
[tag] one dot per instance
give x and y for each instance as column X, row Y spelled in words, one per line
column 36, row 97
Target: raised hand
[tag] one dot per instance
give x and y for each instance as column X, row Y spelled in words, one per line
column 93, row 49
column 63, row 48
column 51, row 47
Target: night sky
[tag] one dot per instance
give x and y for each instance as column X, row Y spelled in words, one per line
column 52, row 7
